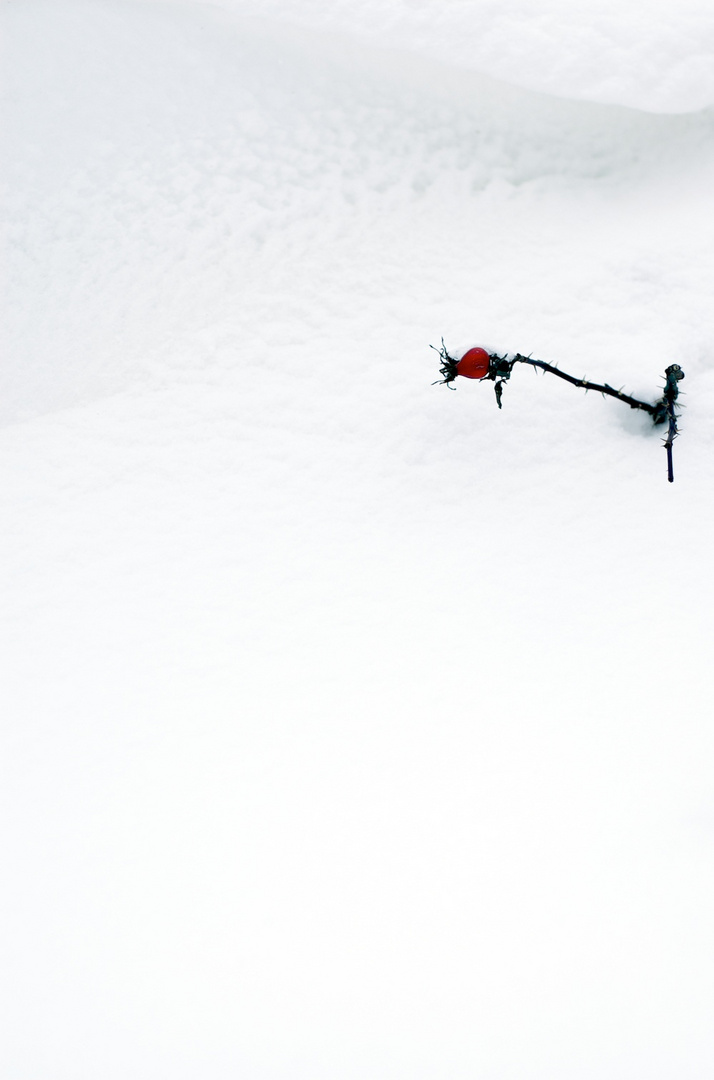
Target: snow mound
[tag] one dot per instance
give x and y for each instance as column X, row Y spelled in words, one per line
column 351, row 727
column 657, row 56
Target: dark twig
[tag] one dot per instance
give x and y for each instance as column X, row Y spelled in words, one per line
column 600, row 388
column 663, row 411
column 671, row 392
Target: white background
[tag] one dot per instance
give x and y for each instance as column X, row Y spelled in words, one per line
column 351, row 727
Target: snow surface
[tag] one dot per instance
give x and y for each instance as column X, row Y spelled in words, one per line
column 654, row 55
column 351, row 727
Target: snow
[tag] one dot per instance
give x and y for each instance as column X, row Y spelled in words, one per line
column 352, row 727
column 653, row 55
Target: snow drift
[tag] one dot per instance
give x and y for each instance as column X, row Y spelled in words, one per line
column 657, row 56
column 351, row 727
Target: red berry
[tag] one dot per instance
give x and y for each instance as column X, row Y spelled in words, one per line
column 474, row 364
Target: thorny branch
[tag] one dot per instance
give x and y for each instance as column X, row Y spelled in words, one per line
column 663, row 411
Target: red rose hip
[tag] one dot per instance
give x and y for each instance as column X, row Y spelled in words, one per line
column 474, row 364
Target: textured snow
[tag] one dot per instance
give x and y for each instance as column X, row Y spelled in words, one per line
column 351, row 727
